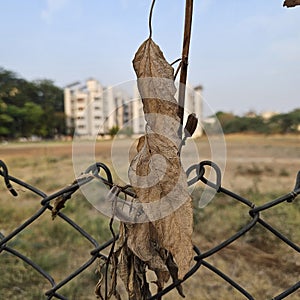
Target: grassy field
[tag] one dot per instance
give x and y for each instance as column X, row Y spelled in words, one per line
column 257, row 167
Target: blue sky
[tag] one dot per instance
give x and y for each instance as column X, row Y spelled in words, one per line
column 244, row 53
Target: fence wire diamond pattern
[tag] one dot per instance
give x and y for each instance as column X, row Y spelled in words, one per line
column 94, row 173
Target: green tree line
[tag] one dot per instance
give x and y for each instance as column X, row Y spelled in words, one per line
column 30, row 108
column 277, row 124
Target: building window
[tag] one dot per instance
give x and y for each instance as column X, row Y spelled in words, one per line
column 80, row 100
column 81, row 127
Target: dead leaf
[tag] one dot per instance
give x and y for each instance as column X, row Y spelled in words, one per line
column 131, row 269
column 161, row 241
column 291, row 3
column 60, row 201
column 157, row 176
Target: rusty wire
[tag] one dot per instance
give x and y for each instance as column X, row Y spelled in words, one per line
column 92, row 173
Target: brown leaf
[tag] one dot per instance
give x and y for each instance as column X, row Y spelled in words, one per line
column 291, row 3
column 131, row 269
column 60, row 201
column 191, row 125
column 59, row 204
column 156, row 173
column 173, row 269
column 162, row 240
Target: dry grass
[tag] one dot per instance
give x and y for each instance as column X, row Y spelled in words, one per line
column 260, row 168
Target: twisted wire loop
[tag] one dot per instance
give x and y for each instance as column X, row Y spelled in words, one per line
column 93, row 172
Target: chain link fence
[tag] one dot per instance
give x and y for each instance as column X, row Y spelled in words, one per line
column 100, row 171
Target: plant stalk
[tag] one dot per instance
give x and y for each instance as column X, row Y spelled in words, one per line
column 184, row 61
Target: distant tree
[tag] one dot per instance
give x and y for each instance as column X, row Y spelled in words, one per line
column 32, row 119
column 249, row 123
column 5, row 120
column 295, row 116
column 17, row 115
column 225, row 118
column 28, row 108
column 50, row 98
column 48, row 95
column 113, row 131
column 286, row 123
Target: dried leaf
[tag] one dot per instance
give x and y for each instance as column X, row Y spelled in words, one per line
column 160, row 182
column 59, row 204
column 101, row 271
column 291, row 3
column 156, row 172
column 60, row 201
column 173, row 269
column 131, row 269
column 191, row 125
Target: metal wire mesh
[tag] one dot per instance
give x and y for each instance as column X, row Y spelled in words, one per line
column 93, row 173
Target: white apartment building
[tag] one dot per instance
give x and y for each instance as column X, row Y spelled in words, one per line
column 92, row 110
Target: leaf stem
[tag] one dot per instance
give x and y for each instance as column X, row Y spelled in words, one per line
column 150, row 19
